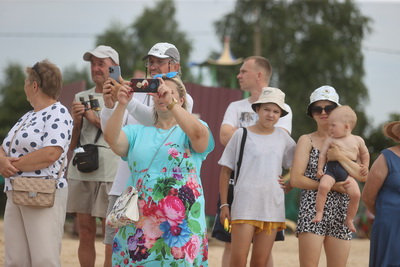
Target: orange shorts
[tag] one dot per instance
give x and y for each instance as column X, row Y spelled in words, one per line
column 263, row 226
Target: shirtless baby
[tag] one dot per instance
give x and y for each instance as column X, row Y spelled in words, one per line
column 342, row 121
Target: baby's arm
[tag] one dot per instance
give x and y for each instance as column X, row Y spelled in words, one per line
column 322, row 157
column 364, row 157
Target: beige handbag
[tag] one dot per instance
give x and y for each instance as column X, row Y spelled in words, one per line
column 35, row 192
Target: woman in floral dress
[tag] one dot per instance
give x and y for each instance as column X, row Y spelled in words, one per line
column 165, row 162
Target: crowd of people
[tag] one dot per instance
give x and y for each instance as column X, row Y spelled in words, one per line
column 153, row 143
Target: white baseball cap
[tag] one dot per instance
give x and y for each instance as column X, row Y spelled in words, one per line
column 102, row 51
column 272, row 95
column 163, row 50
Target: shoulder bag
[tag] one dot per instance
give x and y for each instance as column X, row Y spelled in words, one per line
column 88, row 160
column 34, row 192
column 218, row 230
column 125, row 210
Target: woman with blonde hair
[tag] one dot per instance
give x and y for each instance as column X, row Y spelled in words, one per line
column 165, row 161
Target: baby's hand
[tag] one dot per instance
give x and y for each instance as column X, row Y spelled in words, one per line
column 320, row 173
column 363, row 170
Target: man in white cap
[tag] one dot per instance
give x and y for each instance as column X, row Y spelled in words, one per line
column 254, row 75
column 88, row 189
column 162, row 58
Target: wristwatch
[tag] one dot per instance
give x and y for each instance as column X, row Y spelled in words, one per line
column 172, row 104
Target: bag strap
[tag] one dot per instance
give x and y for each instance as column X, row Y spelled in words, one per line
column 151, row 162
column 15, row 133
column 12, row 140
column 95, row 140
column 239, row 162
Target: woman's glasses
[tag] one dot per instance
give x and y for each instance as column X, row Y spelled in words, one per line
column 36, row 69
column 166, row 75
column 317, row 110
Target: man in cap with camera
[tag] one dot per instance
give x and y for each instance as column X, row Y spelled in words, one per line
column 90, row 179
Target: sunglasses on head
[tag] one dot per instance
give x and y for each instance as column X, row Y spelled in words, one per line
column 317, row 110
column 166, row 75
column 36, row 69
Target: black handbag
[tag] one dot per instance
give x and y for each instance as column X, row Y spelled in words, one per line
column 218, row 230
column 88, row 160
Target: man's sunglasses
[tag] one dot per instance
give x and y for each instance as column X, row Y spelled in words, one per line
column 317, row 110
column 36, row 69
column 166, row 75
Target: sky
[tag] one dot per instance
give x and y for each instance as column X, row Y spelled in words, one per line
column 63, row 30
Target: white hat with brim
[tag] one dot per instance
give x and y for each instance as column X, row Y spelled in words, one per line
column 324, row 92
column 163, row 50
column 102, row 51
column 392, row 130
column 272, row 95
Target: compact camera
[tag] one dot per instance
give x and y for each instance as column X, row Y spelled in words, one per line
column 145, row 85
column 92, row 104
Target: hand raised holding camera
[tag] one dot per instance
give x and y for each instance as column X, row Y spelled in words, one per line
column 124, row 94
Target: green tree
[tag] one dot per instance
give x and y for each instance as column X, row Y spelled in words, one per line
column 72, row 74
column 309, row 44
column 376, row 141
column 155, row 25
column 13, row 102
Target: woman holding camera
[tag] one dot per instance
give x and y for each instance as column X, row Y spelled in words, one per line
column 165, row 161
column 36, row 148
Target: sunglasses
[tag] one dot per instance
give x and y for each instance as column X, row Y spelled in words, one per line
column 317, row 110
column 36, row 69
column 158, row 63
column 166, row 75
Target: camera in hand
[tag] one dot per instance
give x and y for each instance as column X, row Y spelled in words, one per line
column 145, row 85
column 92, row 104
column 115, row 72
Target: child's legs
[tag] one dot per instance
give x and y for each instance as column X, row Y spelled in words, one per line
column 353, row 191
column 262, row 246
column 325, row 184
column 242, row 235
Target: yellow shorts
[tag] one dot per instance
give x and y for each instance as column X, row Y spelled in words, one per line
column 263, row 226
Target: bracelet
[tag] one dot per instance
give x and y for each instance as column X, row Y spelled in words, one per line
column 223, row 205
column 172, row 104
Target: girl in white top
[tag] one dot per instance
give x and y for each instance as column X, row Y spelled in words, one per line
column 258, row 208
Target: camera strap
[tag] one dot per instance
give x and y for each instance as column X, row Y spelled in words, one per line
column 95, row 140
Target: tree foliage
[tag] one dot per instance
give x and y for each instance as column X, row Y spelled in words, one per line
column 13, row 99
column 155, row 25
column 309, row 44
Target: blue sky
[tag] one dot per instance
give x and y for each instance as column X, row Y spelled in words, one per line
column 63, row 30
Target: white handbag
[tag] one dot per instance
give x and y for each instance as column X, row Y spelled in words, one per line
column 125, row 210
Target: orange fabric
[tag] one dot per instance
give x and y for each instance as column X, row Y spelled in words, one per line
column 263, row 226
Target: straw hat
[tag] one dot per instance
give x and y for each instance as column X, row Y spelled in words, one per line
column 272, row 95
column 392, row 130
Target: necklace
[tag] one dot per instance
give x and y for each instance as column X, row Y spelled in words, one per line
column 162, row 131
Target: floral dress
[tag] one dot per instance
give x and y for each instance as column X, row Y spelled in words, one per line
column 171, row 230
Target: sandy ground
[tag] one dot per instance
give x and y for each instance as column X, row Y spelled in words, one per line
column 284, row 253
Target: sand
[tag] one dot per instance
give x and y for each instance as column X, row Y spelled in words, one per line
column 284, row 253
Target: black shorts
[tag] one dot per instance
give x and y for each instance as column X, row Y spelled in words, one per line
column 334, row 169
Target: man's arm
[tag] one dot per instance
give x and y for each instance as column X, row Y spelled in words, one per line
column 226, row 133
